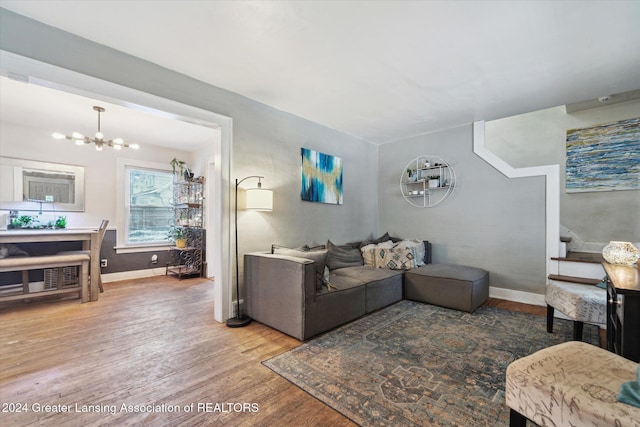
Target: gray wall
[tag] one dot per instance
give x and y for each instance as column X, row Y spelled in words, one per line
column 266, row 141
column 539, row 138
column 489, row 221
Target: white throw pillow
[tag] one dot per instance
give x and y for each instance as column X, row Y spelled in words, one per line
column 368, row 252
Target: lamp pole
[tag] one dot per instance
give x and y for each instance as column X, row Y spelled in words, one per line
column 240, row 319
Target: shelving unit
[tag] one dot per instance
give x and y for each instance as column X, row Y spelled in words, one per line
column 418, row 189
column 188, row 210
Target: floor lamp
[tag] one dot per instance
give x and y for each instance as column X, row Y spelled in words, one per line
column 257, row 199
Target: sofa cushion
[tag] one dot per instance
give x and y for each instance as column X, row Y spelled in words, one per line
column 452, row 271
column 343, row 256
column 384, row 238
column 366, row 274
column 383, row 287
column 340, row 283
column 319, row 258
column 453, row 286
column 350, row 277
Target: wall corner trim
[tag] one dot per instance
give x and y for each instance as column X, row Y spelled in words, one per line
column 552, row 192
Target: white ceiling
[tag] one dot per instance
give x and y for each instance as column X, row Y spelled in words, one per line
column 40, row 107
column 379, row 70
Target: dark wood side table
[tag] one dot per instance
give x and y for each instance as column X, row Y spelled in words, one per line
column 623, row 310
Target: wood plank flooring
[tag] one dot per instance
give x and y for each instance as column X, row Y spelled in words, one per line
column 149, row 342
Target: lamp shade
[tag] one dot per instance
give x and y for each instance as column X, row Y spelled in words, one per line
column 259, row 199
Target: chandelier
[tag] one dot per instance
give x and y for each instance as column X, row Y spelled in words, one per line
column 98, row 139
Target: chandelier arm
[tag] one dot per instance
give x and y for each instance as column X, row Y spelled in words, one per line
column 98, row 138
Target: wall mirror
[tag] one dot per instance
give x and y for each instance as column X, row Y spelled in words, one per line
column 30, row 185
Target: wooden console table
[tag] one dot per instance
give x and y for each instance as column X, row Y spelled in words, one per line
column 623, row 310
column 89, row 238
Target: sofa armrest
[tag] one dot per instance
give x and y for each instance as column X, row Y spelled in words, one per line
column 277, row 289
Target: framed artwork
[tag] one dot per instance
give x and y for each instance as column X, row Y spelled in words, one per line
column 321, row 177
column 605, row 157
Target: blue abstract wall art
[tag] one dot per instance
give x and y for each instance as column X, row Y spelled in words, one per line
column 605, row 157
column 321, row 177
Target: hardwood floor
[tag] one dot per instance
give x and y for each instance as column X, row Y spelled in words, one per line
column 145, row 342
column 149, row 342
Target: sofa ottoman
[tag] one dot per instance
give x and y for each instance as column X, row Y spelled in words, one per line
column 448, row 285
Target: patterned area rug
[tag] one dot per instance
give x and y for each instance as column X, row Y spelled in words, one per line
column 418, row 364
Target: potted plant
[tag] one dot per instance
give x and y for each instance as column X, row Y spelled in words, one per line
column 181, row 168
column 24, row 221
column 61, row 222
column 412, row 175
column 434, row 181
column 180, row 235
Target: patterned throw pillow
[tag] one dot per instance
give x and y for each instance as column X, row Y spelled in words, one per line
column 419, row 247
column 368, row 252
column 396, row 258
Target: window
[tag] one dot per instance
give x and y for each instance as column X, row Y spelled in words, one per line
column 148, row 200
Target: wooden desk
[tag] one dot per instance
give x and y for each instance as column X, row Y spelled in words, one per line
column 88, row 237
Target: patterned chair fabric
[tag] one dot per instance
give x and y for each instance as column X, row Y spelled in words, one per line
column 571, row 384
column 581, row 303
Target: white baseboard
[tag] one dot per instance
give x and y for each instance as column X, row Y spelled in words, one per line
column 134, row 274
column 517, row 296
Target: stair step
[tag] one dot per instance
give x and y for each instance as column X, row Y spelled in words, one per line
column 587, row 257
column 574, row 279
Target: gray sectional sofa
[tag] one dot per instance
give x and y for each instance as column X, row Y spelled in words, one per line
column 293, row 292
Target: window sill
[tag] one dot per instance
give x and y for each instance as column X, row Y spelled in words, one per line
column 137, row 249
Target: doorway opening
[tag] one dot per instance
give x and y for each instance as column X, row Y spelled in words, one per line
column 215, row 165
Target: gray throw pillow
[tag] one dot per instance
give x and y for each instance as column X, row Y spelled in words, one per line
column 382, row 238
column 319, row 258
column 343, row 256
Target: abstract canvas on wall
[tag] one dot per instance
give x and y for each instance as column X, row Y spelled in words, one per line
column 605, row 157
column 321, row 177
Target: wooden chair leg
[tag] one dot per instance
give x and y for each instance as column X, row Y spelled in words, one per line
column 516, row 419
column 100, row 283
column 25, row 281
column 577, row 330
column 83, row 271
column 550, row 311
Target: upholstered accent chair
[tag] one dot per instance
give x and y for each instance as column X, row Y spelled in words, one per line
column 581, row 303
column 570, row 384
